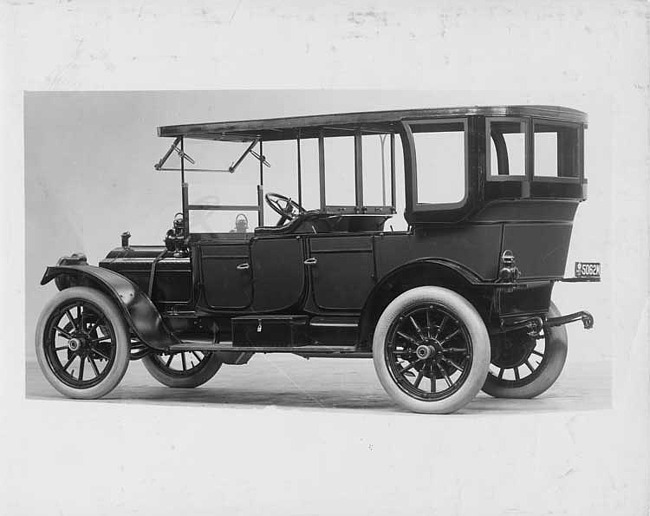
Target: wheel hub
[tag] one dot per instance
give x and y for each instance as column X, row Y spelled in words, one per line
column 423, row 351
column 74, row 344
column 428, row 352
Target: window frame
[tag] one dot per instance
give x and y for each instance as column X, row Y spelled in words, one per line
column 528, row 150
column 359, row 207
column 327, row 165
column 580, row 133
column 416, row 206
column 530, row 175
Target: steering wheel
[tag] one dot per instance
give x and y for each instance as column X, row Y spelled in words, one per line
column 289, row 211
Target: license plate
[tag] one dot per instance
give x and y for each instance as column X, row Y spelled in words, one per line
column 587, row 270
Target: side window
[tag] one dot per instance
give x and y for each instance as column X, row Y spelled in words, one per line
column 556, row 150
column 507, row 147
column 339, row 171
column 281, row 176
column 440, row 162
column 376, row 169
column 309, row 169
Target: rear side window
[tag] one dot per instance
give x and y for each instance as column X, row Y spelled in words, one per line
column 440, row 151
column 557, row 149
column 507, row 148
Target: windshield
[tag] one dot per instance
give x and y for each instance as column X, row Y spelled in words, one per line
column 335, row 174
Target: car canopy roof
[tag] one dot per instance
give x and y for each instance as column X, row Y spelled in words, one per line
column 346, row 123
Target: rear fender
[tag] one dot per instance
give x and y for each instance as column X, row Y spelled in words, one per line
column 139, row 312
column 429, row 271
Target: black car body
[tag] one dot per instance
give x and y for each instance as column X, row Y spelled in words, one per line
column 459, row 300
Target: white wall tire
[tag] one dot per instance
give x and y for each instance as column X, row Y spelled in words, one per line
column 534, row 369
column 82, row 343
column 431, row 350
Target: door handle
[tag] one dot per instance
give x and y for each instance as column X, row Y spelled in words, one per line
column 243, row 267
column 310, row 261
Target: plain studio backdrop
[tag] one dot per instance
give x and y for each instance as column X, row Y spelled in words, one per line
column 78, row 171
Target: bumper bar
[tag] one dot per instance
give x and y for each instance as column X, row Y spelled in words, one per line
column 586, row 279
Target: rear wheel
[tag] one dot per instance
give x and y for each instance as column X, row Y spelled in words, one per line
column 523, row 366
column 431, row 350
column 184, row 369
column 82, row 343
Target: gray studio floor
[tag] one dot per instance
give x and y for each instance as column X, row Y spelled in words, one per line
column 333, row 384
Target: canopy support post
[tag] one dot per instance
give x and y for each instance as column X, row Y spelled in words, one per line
column 321, row 169
column 393, row 194
column 358, row 172
column 299, row 171
column 184, row 191
column 260, row 190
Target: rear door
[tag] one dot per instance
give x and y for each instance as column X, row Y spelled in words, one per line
column 278, row 272
column 342, row 271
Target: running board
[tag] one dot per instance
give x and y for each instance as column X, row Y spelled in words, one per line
column 334, row 322
column 208, row 346
column 335, row 354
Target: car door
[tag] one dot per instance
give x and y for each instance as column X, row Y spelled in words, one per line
column 342, row 271
column 278, row 272
column 226, row 274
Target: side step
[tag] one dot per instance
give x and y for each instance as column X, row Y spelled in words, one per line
column 208, row 346
column 334, row 322
column 318, row 336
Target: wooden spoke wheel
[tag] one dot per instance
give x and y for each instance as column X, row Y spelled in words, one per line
column 82, row 343
column 524, row 366
column 431, row 350
column 183, row 369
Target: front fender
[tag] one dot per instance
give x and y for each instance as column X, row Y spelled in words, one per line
column 139, row 311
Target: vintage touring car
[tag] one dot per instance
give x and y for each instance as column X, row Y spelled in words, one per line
column 457, row 301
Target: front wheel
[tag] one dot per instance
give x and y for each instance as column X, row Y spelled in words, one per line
column 524, row 367
column 184, row 369
column 431, row 350
column 82, row 343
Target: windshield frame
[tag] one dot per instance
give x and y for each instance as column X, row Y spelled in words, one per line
column 256, row 149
